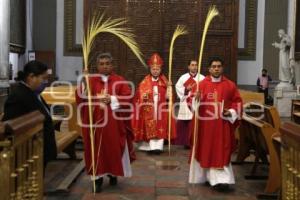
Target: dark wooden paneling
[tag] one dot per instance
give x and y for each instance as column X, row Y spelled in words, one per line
column 187, row 46
column 106, row 42
column 145, row 18
column 17, row 26
column 154, row 23
column 47, row 57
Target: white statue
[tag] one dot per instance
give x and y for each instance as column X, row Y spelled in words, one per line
column 286, row 72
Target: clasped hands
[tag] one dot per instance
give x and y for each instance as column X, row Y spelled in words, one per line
column 104, row 98
column 168, row 93
column 225, row 112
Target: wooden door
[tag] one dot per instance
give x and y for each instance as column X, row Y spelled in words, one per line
column 47, row 57
column 154, row 22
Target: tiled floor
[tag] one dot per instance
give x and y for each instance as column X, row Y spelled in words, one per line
column 154, row 177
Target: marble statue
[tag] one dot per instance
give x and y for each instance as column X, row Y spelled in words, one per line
column 286, row 66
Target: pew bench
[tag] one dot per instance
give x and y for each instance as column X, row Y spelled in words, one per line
column 263, row 133
column 65, row 142
column 290, row 160
column 262, row 112
column 21, row 152
column 267, row 113
column 64, row 95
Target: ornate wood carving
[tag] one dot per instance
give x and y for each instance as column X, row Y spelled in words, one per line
column 70, row 48
column 154, row 23
column 146, row 19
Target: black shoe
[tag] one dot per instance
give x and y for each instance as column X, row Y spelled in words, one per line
column 186, row 147
column 113, row 180
column 99, row 185
column 156, row 152
column 222, row 187
column 206, row 184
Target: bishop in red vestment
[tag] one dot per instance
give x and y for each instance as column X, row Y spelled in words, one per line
column 112, row 139
column 150, row 121
column 219, row 110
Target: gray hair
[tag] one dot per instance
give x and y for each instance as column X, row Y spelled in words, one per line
column 105, row 55
column 281, row 31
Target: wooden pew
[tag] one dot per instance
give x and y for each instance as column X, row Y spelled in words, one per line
column 21, row 157
column 265, row 113
column 247, row 97
column 246, row 132
column 65, row 142
column 65, row 96
column 265, row 130
column 290, row 160
column 245, row 141
column 272, row 116
column 251, row 141
column 250, row 96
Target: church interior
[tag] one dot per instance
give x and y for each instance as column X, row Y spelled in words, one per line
column 254, row 38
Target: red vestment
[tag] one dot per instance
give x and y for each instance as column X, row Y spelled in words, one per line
column 109, row 140
column 215, row 139
column 190, row 82
column 145, row 124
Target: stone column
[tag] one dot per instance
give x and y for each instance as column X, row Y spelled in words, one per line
column 4, row 49
column 292, row 32
column 4, row 41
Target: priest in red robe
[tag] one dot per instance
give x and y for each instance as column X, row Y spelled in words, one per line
column 112, row 140
column 219, row 110
column 150, row 119
column 183, row 87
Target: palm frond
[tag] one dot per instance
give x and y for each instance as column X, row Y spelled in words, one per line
column 213, row 12
column 180, row 30
column 114, row 26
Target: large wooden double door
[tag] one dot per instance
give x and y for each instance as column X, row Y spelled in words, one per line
column 154, row 22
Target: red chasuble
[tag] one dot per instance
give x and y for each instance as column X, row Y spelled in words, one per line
column 216, row 140
column 145, row 124
column 110, row 140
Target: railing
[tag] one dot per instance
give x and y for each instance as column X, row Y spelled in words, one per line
column 21, row 157
column 290, row 161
